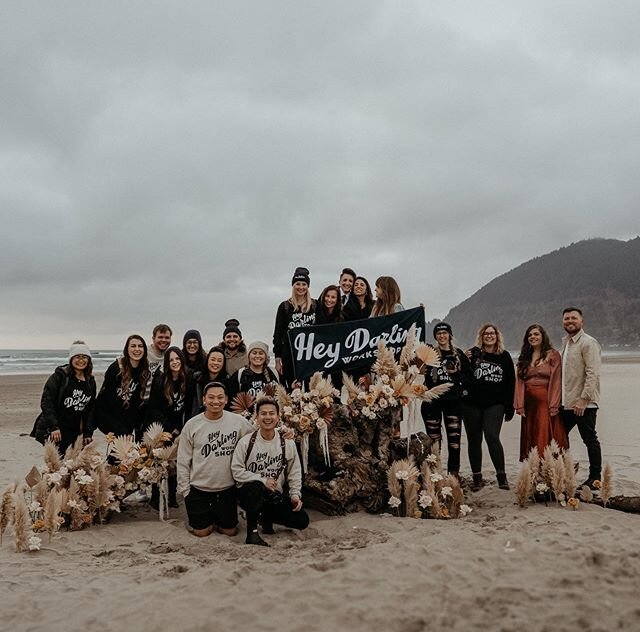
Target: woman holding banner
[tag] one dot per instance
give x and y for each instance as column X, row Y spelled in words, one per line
column 299, row 310
column 387, row 297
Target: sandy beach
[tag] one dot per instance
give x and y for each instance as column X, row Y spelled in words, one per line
column 500, row 568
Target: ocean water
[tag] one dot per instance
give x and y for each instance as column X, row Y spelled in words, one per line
column 38, row 361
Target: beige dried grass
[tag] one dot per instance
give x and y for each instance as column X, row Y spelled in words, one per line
column 52, row 456
column 41, row 491
column 570, row 482
column 524, row 488
column 84, row 459
column 73, row 451
column 6, row 509
column 557, row 479
column 284, row 399
column 547, row 466
column 586, row 494
column 21, row 521
column 408, row 352
column 154, row 436
column 427, row 355
column 121, row 446
column 352, row 388
column 51, row 511
column 435, row 392
column 411, row 490
column 385, row 363
column 607, row 484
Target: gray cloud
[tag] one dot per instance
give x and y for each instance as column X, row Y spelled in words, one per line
column 176, row 162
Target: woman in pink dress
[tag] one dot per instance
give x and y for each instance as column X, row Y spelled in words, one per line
column 538, row 392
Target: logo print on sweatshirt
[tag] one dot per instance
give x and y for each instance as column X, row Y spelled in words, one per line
column 220, row 444
column 77, row 401
column 298, row 319
column 265, row 464
column 488, row 372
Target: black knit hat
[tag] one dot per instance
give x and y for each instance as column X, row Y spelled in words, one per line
column 232, row 326
column 442, row 327
column 301, row 274
column 192, row 334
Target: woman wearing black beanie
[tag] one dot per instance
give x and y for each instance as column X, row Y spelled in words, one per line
column 299, row 310
column 194, row 355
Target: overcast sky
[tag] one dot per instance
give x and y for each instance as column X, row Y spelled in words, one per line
column 175, row 161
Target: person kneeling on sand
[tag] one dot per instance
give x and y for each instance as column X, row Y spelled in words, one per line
column 206, row 446
column 267, row 469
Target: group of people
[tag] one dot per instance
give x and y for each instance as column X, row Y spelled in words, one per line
column 552, row 392
column 222, row 458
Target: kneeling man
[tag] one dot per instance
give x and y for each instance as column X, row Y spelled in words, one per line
column 207, row 442
column 267, row 469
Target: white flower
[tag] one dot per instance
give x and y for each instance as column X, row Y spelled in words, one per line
column 34, row 543
column 431, row 458
column 85, row 480
column 35, row 507
column 314, row 392
column 402, row 475
column 393, row 401
column 119, row 481
column 74, row 504
column 156, row 451
column 145, row 474
column 296, row 395
column 413, row 370
column 362, row 395
column 394, row 502
column 96, row 460
column 63, row 471
column 79, row 473
column 295, row 419
column 465, row 509
column 387, row 390
column 385, row 379
column 287, row 410
column 68, row 464
column 383, row 403
column 425, row 500
column 435, row 477
column 446, row 491
column 55, row 478
column 542, row 487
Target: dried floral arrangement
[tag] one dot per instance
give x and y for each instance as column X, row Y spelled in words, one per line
column 308, row 410
column 84, row 487
column 394, row 383
column 425, row 493
column 552, row 477
column 243, row 403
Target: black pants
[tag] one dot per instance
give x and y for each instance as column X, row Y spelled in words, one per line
column 587, row 429
column 255, row 500
column 433, row 415
column 488, row 422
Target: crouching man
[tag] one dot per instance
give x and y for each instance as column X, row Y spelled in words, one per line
column 267, row 469
column 206, row 446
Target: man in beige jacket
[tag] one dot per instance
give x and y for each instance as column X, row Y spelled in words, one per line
column 581, row 358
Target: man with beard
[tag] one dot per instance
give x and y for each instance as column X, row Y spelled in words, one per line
column 160, row 342
column 235, row 351
column 581, row 359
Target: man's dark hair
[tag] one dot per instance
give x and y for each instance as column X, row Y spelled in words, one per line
column 214, row 385
column 162, row 328
column 571, row 309
column 264, row 401
column 348, row 271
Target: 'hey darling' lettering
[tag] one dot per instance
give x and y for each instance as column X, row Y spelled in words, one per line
column 358, row 340
column 77, row 401
column 220, row 444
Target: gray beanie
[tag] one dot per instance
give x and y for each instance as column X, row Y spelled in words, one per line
column 263, row 346
column 79, row 348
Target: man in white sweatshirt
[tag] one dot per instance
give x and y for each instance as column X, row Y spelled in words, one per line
column 207, row 442
column 267, row 469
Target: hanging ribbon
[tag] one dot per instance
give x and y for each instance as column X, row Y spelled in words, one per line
column 304, row 448
column 323, row 431
column 164, row 498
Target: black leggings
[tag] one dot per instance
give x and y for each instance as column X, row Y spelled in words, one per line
column 433, row 414
column 488, row 422
column 254, row 500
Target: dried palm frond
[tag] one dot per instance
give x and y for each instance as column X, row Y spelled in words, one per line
column 607, row 484
column 21, row 521
column 121, row 446
column 33, row 477
column 85, row 459
column 570, row 483
column 269, row 390
column 155, row 436
column 74, row 449
column 326, row 413
column 242, row 403
column 284, row 398
column 524, row 487
column 411, row 489
column 52, row 456
column 6, row 509
column 51, row 511
column 385, row 363
column 409, row 350
column 427, row 355
column 557, row 479
column 586, row 494
column 435, row 392
column 547, row 466
column 170, row 452
column 352, row 388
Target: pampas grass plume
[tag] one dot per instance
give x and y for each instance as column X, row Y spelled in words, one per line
column 607, row 484
column 21, row 521
column 547, row 466
column 408, row 351
column 570, row 482
column 586, row 494
column 51, row 510
column 523, row 484
column 557, row 479
column 6, row 509
column 411, row 489
column 52, row 456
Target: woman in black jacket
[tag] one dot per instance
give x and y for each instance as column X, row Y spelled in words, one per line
column 489, row 401
column 215, row 371
column 361, row 302
column 68, row 401
column 119, row 406
column 329, row 307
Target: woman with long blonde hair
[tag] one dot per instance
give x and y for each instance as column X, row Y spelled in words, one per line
column 489, row 401
column 299, row 310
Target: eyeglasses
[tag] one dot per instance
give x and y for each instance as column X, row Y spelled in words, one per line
column 489, row 333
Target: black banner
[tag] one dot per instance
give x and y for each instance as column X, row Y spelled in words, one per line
column 350, row 345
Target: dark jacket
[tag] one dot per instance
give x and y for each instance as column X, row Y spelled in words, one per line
column 172, row 415
column 200, row 380
column 352, row 310
column 247, row 381
column 287, row 318
column 493, row 380
column 55, row 416
column 455, row 369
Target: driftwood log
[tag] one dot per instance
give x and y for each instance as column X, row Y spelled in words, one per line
column 630, row 504
column 361, row 452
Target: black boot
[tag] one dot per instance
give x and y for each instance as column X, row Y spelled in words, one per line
column 477, row 483
column 503, row 483
column 254, row 538
column 267, row 526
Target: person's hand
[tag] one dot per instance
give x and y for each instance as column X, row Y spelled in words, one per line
column 288, row 433
column 553, row 412
column 579, row 406
column 468, row 353
column 279, row 365
column 296, row 501
column 270, row 484
column 520, row 411
column 55, row 436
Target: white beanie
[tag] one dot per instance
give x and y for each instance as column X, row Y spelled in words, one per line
column 263, row 346
column 79, row 348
